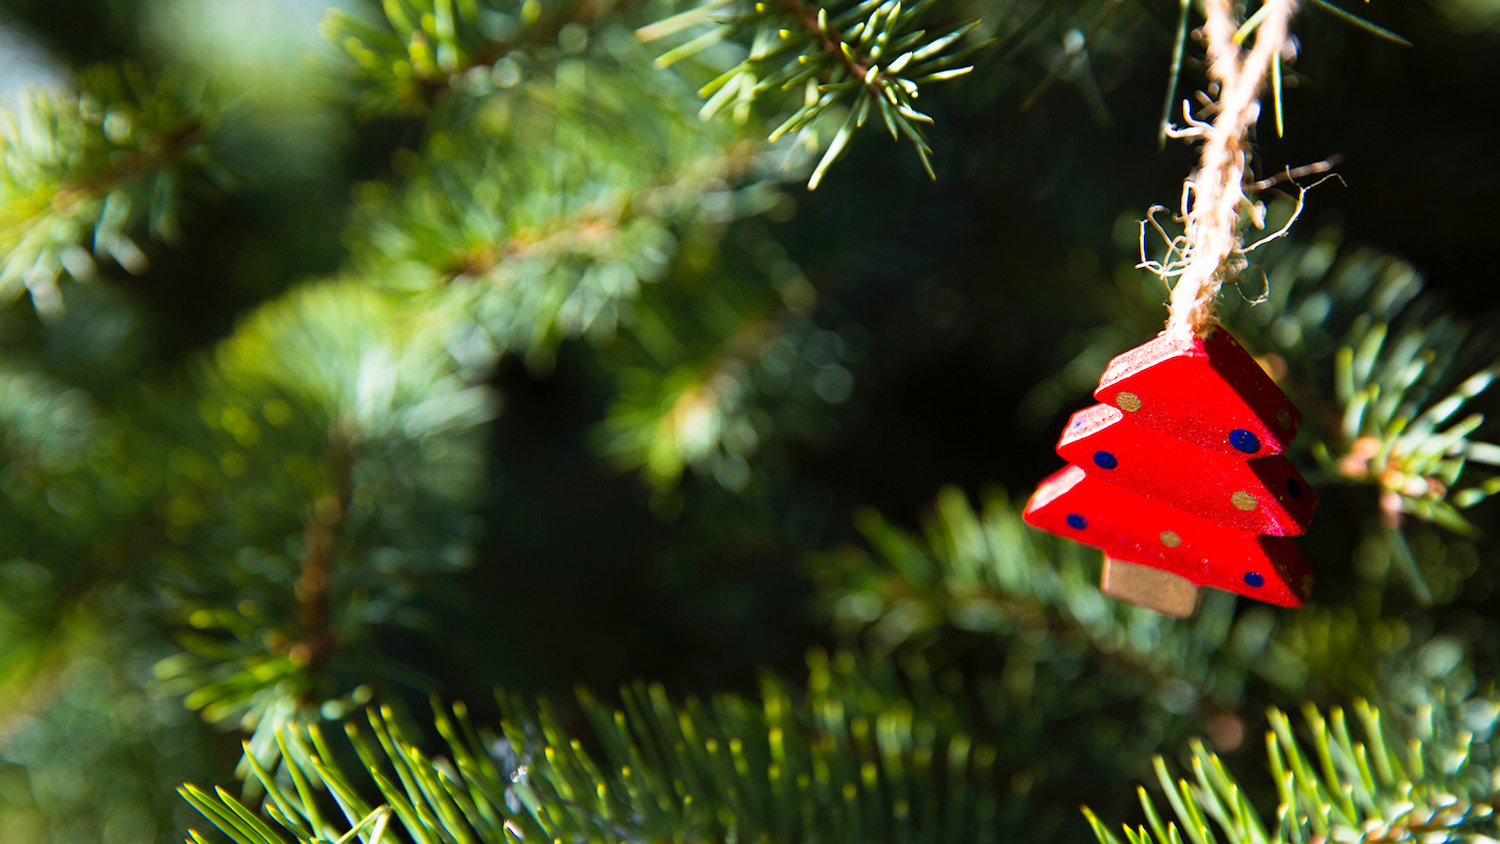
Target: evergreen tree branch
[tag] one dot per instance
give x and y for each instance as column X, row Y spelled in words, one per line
column 88, row 167
column 1432, row 784
column 837, row 763
column 871, row 52
column 341, row 369
column 857, row 62
column 586, row 221
column 743, row 371
column 1399, row 368
column 431, row 48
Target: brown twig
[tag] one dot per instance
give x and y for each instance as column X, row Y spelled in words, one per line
column 318, row 559
column 834, row 44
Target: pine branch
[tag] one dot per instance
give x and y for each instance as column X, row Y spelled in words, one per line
column 599, row 183
column 718, row 380
column 1399, row 367
column 870, row 57
column 696, row 414
column 840, row 763
column 315, row 553
column 380, row 370
column 90, row 167
column 431, row 49
column 531, row 276
column 1433, row 784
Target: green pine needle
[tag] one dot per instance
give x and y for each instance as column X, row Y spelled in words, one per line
column 1378, row 789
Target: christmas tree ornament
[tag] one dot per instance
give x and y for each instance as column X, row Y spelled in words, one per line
column 1179, row 477
column 1179, row 474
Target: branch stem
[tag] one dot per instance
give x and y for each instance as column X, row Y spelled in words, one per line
column 320, row 537
column 833, row 43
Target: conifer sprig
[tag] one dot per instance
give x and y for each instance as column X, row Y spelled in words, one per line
column 428, row 48
column 432, row 52
column 1400, row 366
column 842, row 762
column 1400, row 427
column 712, row 412
column 859, row 57
column 1434, row 784
column 88, row 172
column 350, row 408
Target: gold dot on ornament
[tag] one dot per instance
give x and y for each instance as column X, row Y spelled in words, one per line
column 1170, row 539
column 1243, row 500
column 1128, row 402
column 1284, row 418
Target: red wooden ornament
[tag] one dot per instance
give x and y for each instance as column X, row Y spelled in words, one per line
column 1202, row 391
column 1182, row 470
column 1260, row 495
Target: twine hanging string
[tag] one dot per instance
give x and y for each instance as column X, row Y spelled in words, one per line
column 1210, row 251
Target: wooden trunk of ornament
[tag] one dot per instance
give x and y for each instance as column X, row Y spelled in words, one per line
column 1179, row 476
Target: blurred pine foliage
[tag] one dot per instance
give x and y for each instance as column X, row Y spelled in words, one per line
column 461, row 421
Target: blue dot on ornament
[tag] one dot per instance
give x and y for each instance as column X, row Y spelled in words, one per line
column 1294, row 489
column 1105, row 460
column 1076, row 522
column 1244, row 440
column 1255, row 578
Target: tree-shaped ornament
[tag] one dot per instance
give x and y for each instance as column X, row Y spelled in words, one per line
column 1179, row 477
